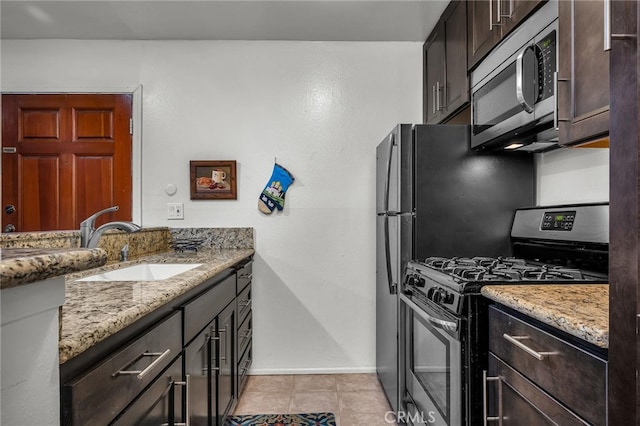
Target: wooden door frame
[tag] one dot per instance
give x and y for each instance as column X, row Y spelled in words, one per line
column 136, row 137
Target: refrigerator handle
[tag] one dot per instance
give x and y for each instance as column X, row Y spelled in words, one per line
column 392, row 285
column 388, row 178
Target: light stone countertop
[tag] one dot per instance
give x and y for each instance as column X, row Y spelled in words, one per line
column 20, row 266
column 581, row 310
column 95, row 310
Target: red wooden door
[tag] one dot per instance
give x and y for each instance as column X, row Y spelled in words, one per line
column 64, row 157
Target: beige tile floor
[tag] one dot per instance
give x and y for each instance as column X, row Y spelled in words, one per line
column 355, row 399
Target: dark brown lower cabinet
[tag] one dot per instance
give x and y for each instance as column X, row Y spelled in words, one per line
column 182, row 364
column 536, row 377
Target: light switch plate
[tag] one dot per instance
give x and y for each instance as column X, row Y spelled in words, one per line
column 175, row 211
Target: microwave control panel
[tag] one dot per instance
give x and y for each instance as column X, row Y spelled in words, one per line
column 558, row 221
column 547, row 65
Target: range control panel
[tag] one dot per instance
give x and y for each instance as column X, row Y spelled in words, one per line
column 558, row 221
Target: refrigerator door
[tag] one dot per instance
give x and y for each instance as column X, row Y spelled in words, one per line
column 387, row 195
column 394, row 172
column 387, row 262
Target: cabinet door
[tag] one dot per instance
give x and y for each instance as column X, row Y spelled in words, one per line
column 456, row 87
column 515, row 400
column 434, row 75
column 197, row 366
column 583, row 99
column 483, row 29
column 226, row 364
column 513, row 12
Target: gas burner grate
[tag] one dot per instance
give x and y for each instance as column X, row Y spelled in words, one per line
column 187, row 244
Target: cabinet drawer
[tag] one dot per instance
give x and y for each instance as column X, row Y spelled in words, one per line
column 153, row 405
column 100, row 395
column 515, row 397
column 570, row 374
column 198, row 312
column 244, row 275
column 244, row 334
column 243, row 368
column 244, row 303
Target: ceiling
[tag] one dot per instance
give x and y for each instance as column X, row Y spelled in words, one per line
column 327, row 20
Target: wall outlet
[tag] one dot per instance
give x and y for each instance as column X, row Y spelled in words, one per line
column 175, row 211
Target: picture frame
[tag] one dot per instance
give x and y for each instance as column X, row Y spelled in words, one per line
column 213, row 180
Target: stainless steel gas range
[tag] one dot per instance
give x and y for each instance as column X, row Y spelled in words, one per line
column 443, row 347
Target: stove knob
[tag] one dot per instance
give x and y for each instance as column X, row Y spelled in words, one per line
column 412, row 280
column 448, row 298
column 420, row 282
column 437, row 295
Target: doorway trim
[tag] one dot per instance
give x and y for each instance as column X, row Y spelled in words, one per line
column 136, row 137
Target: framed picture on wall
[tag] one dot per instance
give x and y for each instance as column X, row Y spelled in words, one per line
column 213, row 180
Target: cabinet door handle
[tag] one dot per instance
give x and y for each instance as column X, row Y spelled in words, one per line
column 140, row 374
column 490, row 13
column 491, row 23
column 247, row 276
column 433, row 99
column 485, row 402
column 510, row 10
column 244, row 303
column 607, row 24
column 187, row 402
column 516, row 341
column 223, row 358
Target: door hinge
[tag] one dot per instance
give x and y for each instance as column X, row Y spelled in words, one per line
column 131, row 126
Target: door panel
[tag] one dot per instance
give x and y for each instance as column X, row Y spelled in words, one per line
column 64, row 158
column 39, row 190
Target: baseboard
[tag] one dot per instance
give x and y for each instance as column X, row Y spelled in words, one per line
column 338, row 370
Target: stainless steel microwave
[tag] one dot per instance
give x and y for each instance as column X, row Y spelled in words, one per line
column 513, row 90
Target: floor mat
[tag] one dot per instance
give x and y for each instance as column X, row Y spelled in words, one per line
column 307, row 419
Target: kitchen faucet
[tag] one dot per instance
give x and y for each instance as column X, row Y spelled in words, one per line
column 89, row 236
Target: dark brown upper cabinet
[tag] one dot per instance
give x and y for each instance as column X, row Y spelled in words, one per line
column 489, row 21
column 446, row 86
column 583, row 72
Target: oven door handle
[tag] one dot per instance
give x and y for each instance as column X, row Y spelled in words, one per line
column 436, row 322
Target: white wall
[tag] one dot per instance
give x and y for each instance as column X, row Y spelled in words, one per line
column 320, row 108
column 573, row 175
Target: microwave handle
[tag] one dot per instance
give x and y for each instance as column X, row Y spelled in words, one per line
column 520, row 80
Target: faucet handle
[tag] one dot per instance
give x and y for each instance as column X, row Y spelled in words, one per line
column 124, row 253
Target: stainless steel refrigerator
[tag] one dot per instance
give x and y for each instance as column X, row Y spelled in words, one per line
column 437, row 197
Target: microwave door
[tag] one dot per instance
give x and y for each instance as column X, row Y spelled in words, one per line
column 496, row 109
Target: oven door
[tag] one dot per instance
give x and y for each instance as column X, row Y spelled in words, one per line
column 432, row 365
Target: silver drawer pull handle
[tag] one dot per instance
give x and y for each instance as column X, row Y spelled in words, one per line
column 244, row 303
column 140, row 374
column 486, row 418
column 247, row 276
column 187, row 418
column 516, row 341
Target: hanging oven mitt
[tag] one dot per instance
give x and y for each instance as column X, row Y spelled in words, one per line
column 273, row 194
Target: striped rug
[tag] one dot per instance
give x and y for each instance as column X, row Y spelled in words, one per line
column 307, row 419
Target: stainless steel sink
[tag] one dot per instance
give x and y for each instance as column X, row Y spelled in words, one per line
column 143, row 272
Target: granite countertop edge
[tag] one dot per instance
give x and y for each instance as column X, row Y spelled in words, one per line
column 581, row 310
column 93, row 311
column 21, row 266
